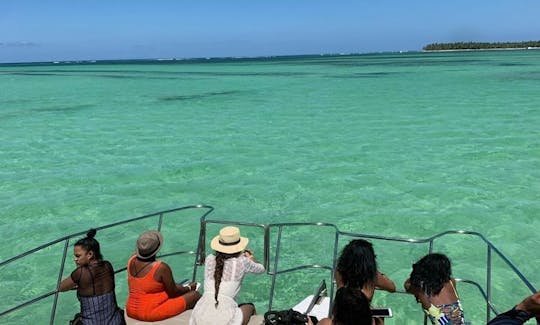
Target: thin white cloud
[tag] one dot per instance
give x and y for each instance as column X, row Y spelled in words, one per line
column 18, row 44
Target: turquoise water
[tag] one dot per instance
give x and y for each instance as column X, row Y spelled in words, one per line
column 403, row 145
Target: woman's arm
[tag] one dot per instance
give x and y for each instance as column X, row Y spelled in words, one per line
column 384, row 283
column 173, row 290
column 253, row 266
column 67, row 284
column 420, row 296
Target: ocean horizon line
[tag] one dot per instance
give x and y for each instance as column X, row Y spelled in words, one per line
column 198, row 59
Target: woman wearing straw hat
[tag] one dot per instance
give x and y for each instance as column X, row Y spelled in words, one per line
column 223, row 276
column 153, row 294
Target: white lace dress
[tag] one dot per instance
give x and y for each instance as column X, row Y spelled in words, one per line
column 227, row 311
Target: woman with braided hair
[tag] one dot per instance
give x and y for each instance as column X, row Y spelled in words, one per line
column 223, row 277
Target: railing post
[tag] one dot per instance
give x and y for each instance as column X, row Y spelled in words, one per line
column 332, row 273
column 266, row 247
column 274, row 273
column 160, row 221
column 201, row 249
column 60, row 273
column 488, row 283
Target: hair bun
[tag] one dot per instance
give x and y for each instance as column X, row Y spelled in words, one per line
column 91, row 233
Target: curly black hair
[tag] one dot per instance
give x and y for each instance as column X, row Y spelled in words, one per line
column 351, row 306
column 357, row 264
column 91, row 244
column 431, row 272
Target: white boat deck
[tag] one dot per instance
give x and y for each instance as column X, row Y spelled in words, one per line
column 320, row 309
column 183, row 319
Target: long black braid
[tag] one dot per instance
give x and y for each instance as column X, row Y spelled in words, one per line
column 218, row 272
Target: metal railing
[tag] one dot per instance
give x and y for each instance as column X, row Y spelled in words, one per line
column 338, row 235
column 275, row 270
column 490, row 249
column 66, row 243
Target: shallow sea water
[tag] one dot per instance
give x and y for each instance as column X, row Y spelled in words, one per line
column 405, row 145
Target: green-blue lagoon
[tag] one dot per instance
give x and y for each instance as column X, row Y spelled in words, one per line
column 397, row 144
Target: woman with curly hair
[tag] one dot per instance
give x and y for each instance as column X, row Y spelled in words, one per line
column 357, row 268
column 432, row 284
column 351, row 307
column 223, row 277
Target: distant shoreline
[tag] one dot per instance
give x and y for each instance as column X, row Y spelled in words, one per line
column 239, row 58
column 486, row 49
column 472, row 46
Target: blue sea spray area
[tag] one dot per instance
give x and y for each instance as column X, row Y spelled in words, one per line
column 405, row 145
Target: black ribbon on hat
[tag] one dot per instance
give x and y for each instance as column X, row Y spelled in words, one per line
column 229, row 244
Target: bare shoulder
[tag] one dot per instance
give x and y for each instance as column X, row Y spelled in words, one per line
column 531, row 304
column 325, row 321
column 163, row 267
column 163, row 270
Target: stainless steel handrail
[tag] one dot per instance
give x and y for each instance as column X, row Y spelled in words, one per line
column 275, row 271
column 78, row 234
column 486, row 294
column 66, row 240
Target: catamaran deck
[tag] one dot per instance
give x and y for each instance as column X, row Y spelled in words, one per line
column 276, row 251
column 183, row 319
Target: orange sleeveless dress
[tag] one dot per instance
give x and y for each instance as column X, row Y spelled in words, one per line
column 148, row 301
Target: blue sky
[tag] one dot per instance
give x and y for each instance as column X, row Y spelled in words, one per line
column 58, row 30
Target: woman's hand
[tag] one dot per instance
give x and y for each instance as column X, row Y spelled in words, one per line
column 410, row 288
column 192, row 286
column 249, row 254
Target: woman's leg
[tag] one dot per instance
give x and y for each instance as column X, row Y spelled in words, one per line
column 247, row 310
column 378, row 321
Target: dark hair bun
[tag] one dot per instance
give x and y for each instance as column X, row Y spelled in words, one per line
column 91, row 233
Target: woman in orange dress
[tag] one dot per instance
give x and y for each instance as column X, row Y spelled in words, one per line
column 153, row 294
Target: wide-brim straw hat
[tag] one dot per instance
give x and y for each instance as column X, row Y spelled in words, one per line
column 149, row 244
column 229, row 241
